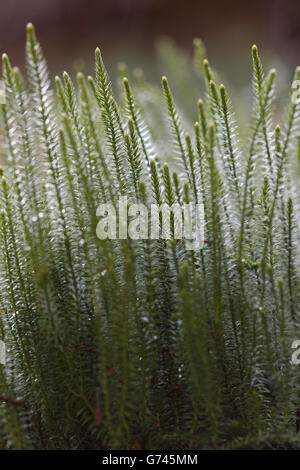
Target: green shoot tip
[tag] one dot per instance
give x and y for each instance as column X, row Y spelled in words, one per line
column 30, row 32
column 197, row 42
column 98, row 53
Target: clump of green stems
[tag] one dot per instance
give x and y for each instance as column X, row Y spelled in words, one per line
column 142, row 344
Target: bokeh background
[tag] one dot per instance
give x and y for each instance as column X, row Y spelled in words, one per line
column 127, row 30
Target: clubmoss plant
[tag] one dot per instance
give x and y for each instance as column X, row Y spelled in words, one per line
column 143, row 344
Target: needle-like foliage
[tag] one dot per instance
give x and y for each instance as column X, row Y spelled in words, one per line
column 143, row 343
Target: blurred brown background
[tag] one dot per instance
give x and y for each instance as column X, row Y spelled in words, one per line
column 127, row 29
